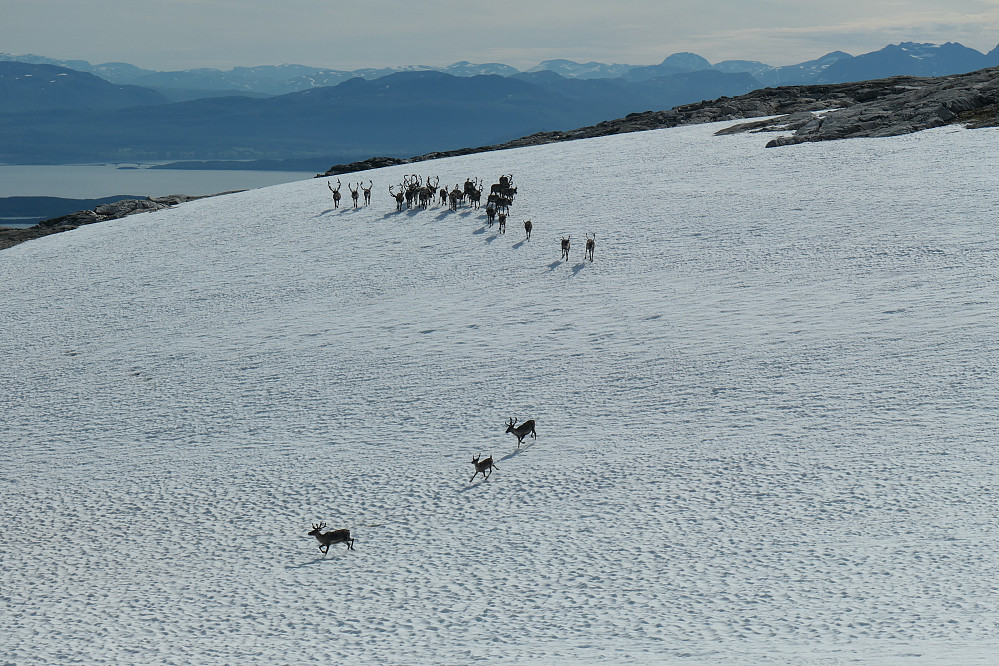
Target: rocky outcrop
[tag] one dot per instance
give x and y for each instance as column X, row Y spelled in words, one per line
column 902, row 107
column 364, row 165
column 116, row 210
column 103, row 212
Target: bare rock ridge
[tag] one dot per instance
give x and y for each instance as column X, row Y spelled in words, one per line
column 882, row 107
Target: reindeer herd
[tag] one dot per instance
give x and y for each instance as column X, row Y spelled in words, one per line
column 416, row 192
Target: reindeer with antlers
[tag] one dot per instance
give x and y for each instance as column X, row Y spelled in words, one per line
column 473, row 191
column 400, row 198
column 521, row 431
column 330, row 538
column 591, row 243
column 426, row 192
column 367, row 192
column 412, row 189
column 355, row 192
column 336, row 192
column 483, row 467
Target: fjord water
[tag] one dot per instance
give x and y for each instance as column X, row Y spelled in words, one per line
column 766, row 415
column 93, row 181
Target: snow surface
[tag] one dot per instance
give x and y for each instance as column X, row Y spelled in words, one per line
column 766, row 415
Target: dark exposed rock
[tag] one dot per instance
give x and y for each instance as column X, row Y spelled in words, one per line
column 363, row 165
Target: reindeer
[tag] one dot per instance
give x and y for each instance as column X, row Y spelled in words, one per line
column 426, row 192
column 354, row 192
column 521, row 431
column 472, row 191
column 400, row 197
column 527, row 228
column 367, row 192
column 412, row 189
column 505, row 182
column 443, row 195
column 491, row 213
column 502, row 223
column 469, row 187
column 455, row 197
column 565, row 247
column 591, row 243
column 329, row 538
column 499, row 201
column 336, row 192
column 485, row 467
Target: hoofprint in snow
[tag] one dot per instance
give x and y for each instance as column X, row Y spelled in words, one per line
column 766, row 415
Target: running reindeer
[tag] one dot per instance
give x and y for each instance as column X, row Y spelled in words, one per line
column 483, row 467
column 527, row 228
column 367, row 192
column 565, row 247
column 591, row 243
column 521, row 431
column 502, row 223
column 330, row 538
column 336, row 192
column 355, row 192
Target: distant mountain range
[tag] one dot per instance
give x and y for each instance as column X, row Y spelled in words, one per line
column 837, row 67
column 65, row 111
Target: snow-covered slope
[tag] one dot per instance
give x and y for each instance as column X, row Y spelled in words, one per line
column 766, row 415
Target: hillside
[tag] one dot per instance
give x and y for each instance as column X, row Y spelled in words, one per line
column 765, row 415
column 27, row 87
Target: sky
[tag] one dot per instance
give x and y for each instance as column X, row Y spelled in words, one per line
column 185, row 34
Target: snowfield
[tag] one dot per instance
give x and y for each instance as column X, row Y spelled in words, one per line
column 766, row 414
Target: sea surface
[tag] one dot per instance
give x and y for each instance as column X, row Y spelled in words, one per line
column 92, row 181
